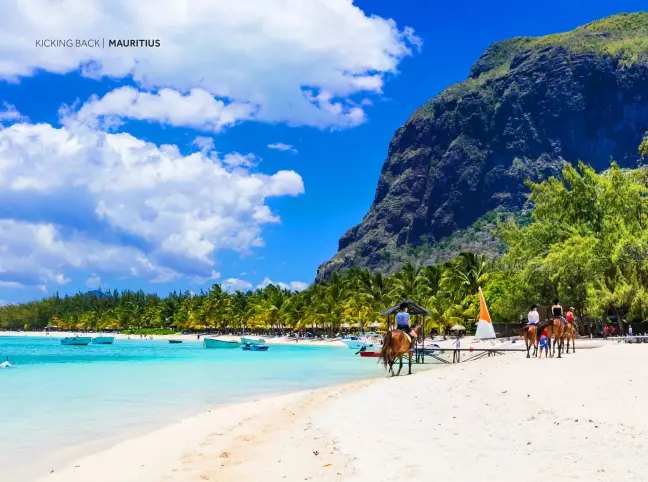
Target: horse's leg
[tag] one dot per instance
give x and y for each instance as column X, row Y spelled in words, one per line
column 574, row 344
column 560, row 346
column 391, row 367
column 526, row 340
column 400, row 367
column 551, row 345
column 410, row 363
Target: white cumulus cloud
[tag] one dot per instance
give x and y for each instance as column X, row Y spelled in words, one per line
column 280, row 146
column 302, row 62
column 74, row 198
column 292, row 286
column 9, row 114
column 197, row 109
column 235, row 284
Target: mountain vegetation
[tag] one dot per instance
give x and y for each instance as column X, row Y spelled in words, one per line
column 528, row 106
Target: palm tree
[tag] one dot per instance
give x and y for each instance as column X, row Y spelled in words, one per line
column 409, row 282
column 466, row 273
column 328, row 303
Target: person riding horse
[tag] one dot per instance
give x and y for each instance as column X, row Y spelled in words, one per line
column 533, row 318
column 557, row 312
column 404, row 323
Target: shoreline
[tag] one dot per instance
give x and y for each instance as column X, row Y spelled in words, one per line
column 500, row 413
column 184, row 338
column 142, row 457
column 23, row 467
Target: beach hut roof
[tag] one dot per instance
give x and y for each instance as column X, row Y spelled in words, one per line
column 458, row 328
column 345, row 325
column 375, row 324
column 412, row 307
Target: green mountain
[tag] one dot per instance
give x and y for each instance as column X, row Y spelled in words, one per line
column 528, row 106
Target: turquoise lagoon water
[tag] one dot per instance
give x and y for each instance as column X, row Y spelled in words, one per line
column 60, row 402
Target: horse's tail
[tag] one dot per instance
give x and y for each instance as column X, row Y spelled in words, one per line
column 385, row 352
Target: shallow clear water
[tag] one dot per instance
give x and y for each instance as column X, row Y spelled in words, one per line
column 59, row 402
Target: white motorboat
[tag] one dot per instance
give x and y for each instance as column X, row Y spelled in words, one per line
column 252, row 341
column 76, row 340
column 356, row 342
column 214, row 343
column 103, row 340
column 6, row 364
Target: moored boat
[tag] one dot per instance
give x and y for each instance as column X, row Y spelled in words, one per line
column 214, row 343
column 250, row 347
column 76, row 340
column 175, row 341
column 103, row 340
column 370, row 354
column 253, row 341
column 356, row 342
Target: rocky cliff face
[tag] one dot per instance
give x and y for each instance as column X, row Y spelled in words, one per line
column 529, row 105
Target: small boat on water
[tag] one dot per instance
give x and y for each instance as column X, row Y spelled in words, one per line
column 103, row 340
column 173, row 342
column 253, row 341
column 214, row 343
column 370, row 354
column 250, row 347
column 76, row 340
column 356, row 342
column 6, row 364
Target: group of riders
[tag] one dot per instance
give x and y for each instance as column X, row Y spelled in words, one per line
column 560, row 326
column 543, row 342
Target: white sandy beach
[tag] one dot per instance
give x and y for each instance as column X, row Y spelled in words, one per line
column 500, row 418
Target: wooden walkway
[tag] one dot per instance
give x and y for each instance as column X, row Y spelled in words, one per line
column 434, row 353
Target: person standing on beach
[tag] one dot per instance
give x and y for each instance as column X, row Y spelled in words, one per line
column 544, row 343
column 403, row 323
column 605, row 331
column 457, row 353
column 630, row 330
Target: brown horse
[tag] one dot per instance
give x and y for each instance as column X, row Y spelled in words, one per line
column 557, row 331
column 530, row 339
column 570, row 334
column 395, row 345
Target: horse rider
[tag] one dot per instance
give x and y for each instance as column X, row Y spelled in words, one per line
column 557, row 312
column 569, row 316
column 533, row 318
column 403, row 323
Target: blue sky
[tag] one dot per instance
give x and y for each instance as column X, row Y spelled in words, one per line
column 65, row 227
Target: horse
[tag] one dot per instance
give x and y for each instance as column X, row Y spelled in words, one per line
column 530, row 335
column 395, row 345
column 570, row 334
column 557, row 330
